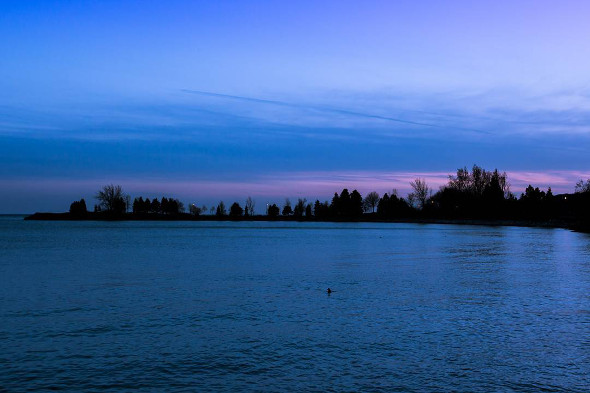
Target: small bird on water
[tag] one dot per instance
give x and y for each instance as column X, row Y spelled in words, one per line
column 329, row 291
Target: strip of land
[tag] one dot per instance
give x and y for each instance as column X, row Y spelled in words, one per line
column 478, row 197
column 553, row 223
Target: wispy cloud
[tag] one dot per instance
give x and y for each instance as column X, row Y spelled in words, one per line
column 483, row 116
column 328, row 110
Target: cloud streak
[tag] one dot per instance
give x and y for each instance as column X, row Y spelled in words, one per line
column 329, row 110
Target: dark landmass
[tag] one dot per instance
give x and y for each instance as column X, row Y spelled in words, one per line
column 555, row 223
column 478, row 197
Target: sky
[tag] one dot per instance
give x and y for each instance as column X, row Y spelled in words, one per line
column 220, row 100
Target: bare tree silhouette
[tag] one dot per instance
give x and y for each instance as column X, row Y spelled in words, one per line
column 371, row 201
column 112, row 199
column 249, row 208
column 421, row 192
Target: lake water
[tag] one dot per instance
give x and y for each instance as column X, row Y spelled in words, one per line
column 184, row 306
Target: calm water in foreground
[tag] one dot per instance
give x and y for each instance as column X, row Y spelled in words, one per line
column 243, row 306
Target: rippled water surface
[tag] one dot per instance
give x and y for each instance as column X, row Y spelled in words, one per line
column 181, row 306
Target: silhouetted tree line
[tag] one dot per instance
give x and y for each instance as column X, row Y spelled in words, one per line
column 486, row 194
column 475, row 194
column 345, row 206
column 392, row 206
column 78, row 208
column 235, row 210
column 469, row 194
column 113, row 202
column 168, row 206
column 536, row 203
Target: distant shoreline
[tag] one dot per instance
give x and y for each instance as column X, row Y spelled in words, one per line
column 261, row 218
column 478, row 197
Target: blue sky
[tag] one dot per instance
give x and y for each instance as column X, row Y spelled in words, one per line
column 221, row 100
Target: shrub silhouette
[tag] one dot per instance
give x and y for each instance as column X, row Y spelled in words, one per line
column 78, row 208
column 236, row 210
column 273, row 210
